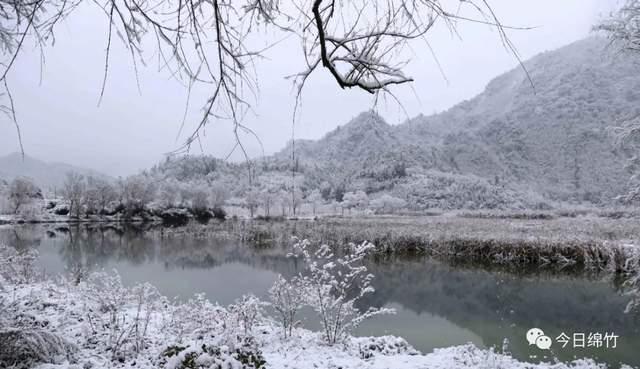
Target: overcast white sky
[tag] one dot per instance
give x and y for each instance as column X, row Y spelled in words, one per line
column 61, row 121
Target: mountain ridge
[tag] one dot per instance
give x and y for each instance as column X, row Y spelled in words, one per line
column 551, row 137
column 46, row 175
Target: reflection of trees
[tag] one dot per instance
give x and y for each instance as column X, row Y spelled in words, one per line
column 94, row 246
column 22, row 238
column 496, row 305
column 85, row 245
column 443, row 289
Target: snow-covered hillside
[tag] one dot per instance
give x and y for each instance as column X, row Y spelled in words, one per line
column 552, row 137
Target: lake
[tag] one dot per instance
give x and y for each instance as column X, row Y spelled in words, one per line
column 437, row 304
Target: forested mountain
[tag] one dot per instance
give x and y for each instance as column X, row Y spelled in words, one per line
column 549, row 135
column 531, row 140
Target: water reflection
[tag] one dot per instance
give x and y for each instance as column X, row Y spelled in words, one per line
column 438, row 304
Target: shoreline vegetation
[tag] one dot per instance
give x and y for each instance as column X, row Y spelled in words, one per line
column 582, row 243
column 577, row 244
column 93, row 321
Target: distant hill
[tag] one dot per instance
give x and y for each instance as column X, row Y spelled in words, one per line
column 552, row 138
column 46, row 175
column 513, row 146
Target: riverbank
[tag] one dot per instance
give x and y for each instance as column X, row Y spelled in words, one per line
column 59, row 213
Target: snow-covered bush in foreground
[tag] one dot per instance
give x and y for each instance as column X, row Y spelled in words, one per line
column 124, row 312
column 332, row 286
column 18, row 267
column 287, row 298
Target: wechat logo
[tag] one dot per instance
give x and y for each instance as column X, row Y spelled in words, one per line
column 535, row 336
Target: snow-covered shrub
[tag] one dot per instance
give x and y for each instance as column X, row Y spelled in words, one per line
column 245, row 313
column 385, row 345
column 146, row 300
column 24, row 348
column 208, row 356
column 228, row 334
column 333, row 286
column 18, row 267
column 195, row 317
column 287, row 298
column 124, row 312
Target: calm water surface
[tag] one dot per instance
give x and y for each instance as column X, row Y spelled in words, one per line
column 437, row 305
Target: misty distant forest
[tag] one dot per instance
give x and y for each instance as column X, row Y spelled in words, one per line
column 444, row 240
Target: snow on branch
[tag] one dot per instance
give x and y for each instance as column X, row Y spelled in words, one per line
column 332, row 286
column 623, row 26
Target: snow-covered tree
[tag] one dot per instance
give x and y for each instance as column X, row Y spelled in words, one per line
column 169, row 193
column 267, row 199
column 295, row 199
column 282, row 199
column 99, row 194
column 74, row 190
column 314, row 198
column 199, row 200
column 22, row 192
column 357, row 200
column 219, row 194
column 325, row 190
column 628, row 137
column 387, row 204
column 137, row 192
column 623, row 26
column 252, row 198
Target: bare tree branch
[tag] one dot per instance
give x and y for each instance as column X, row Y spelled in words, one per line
column 360, row 43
